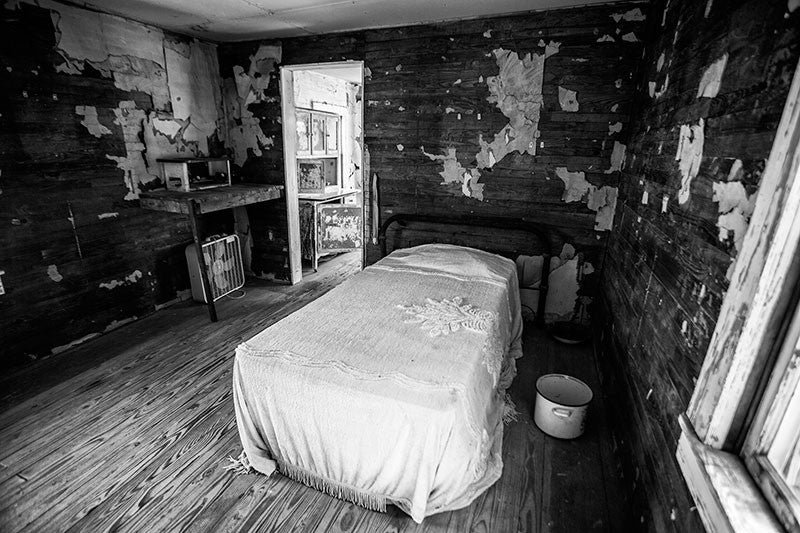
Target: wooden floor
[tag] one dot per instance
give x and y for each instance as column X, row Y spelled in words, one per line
column 131, row 432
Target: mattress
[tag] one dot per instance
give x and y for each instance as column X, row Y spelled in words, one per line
column 390, row 388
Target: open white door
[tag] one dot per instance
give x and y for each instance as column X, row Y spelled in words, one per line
column 290, row 171
column 350, row 70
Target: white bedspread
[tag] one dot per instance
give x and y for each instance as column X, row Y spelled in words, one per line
column 389, row 388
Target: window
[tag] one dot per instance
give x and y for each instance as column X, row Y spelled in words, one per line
column 772, row 449
column 742, row 465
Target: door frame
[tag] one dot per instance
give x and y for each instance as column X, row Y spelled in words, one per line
column 288, row 119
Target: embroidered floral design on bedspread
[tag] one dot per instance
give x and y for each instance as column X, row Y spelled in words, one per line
column 441, row 318
column 446, row 316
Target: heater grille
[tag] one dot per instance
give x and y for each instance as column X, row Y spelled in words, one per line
column 223, row 257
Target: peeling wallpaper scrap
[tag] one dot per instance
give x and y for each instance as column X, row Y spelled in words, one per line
column 731, row 195
column 567, row 252
column 160, row 144
column 190, row 67
column 244, row 130
column 90, row 120
column 453, row 172
column 735, row 209
column 658, row 93
column 167, row 127
column 736, row 169
column 130, row 53
column 133, row 163
column 575, row 184
column 712, row 78
column 568, row 100
column 617, row 157
column 689, row 156
column 52, row 271
column 517, row 92
column 133, row 277
column 245, row 88
column 162, row 137
column 634, row 14
column 181, row 78
column 603, row 201
column 252, row 85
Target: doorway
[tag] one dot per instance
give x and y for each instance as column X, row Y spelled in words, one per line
column 322, row 115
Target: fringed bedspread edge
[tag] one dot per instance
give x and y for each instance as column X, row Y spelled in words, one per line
column 377, row 502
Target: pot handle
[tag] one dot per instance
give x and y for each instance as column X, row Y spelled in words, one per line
column 562, row 413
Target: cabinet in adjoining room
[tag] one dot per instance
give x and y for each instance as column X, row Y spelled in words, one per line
column 319, row 166
column 330, row 216
column 329, row 224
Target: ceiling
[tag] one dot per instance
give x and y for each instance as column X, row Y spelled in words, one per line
column 239, row 20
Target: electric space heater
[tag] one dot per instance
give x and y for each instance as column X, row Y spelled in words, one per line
column 223, row 258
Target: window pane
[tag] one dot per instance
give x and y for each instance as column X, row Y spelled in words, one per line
column 317, row 134
column 784, row 453
column 333, row 134
column 772, row 452
column 303, row 126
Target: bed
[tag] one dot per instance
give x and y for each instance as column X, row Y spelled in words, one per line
column 390, row 388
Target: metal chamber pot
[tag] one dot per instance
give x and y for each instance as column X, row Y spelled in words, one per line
column 561, row 405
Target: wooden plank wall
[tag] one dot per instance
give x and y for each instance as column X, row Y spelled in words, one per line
column 268, row 225
column 66, row 227
column 426, row 87
column 665, row 272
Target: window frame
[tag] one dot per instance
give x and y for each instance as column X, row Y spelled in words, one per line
column 782, row 390
column 742, row 354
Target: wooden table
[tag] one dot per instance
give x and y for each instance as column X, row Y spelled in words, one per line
column 195, row 203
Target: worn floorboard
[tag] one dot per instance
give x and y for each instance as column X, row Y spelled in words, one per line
column 136, row 439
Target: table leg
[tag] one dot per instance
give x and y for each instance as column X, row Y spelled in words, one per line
column 198, row 246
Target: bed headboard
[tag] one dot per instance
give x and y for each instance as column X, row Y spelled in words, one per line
column 541, row 231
